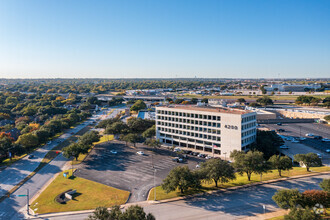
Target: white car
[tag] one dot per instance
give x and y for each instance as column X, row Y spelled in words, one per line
column 284, row 147
column 328, row 151
column 309, row 135
column 140, row 153
column 177, row 149
column 208, row 157
column 113, row 152
column 325, row 140
column 198, row 166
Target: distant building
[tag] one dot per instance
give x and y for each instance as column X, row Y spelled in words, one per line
column 151, row 115
column 210, row 129
column 291, row 87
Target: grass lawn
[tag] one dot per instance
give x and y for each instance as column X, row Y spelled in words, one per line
column 81, row 157
column 89, row 195
column 240, row 180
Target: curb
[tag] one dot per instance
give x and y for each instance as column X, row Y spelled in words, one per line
column 152, row 202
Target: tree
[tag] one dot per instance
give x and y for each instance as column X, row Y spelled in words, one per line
column 313, row 197
column 250, row 162
column 134, row 212
column 263, row 90
column 287, row 198
column 89, row 137
column 240, row 100
column 325, row 185
column 116, row 128
column 74, row 150
column 205, row 100
column 150, row 132
column 152, row 143
column 139, row 125
column 217, row 170
column 194, row 101
column 28, row 140
column 309, row 160
column 131, row 138
column 267, row 142
column 138, row 105
column 280, row 163
column 301, row 214
column 100, row 213
column 265, row 101
column 180, row 178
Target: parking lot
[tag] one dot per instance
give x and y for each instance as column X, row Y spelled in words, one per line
column 129, row 171
column 301, row 129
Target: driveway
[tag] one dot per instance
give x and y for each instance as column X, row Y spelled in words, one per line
column 128, row 171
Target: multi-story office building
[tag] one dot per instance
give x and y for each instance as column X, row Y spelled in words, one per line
column 211, row 129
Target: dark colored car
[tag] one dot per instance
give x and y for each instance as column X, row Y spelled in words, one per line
column 280, row 130
column 318, row 137
column 279, row 124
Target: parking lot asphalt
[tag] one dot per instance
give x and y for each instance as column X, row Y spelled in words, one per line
column 301, row 129
column 129, row 171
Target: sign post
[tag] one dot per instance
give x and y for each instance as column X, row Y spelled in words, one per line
column 27, row 201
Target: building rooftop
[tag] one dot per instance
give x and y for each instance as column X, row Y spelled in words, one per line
column 208, row 109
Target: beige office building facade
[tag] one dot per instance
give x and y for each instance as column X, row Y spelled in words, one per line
column 215, row 130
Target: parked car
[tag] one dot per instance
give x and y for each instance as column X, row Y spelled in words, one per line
column 201, row 155
column 309, row 135
column 113, row 152
column 208, row 157
column 177, row 149
column 318, row 137
column 328, row 151
column 325, row 140
column 279, row 124
column 295, row 141
column 140, row 153
column 177, row 159
column 194, row 153
column 31, row 156
column 280, row 130
column 302, row 138
column 284, row 147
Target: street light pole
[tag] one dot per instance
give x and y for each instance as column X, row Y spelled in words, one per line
column 27, row 205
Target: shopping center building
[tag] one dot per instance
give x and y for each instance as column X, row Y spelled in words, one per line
column 215, row 130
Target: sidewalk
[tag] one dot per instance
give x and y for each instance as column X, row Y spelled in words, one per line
column 147, row 203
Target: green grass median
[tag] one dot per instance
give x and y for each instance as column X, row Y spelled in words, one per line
column 89, row 195
column 240, row 180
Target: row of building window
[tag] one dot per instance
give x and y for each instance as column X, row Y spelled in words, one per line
column 191, row 134
column 188, row 127
column 190, row 115
column 188, row 121
column 191, row 128
column 249, row 118
column 250, row 125
column 249, row 132
column 184, row 139
column 249, row 139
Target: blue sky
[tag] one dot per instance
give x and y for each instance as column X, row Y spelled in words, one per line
column 164, row 39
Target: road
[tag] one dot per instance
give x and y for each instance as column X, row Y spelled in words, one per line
column 12, row 175
column 10, row 207
column 233, row 204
